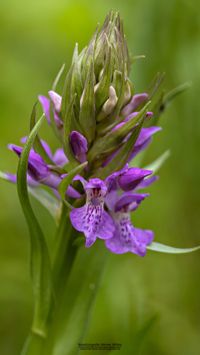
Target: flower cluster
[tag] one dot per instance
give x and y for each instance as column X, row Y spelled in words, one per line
column 99, row 121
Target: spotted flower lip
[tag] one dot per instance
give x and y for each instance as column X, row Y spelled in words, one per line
column 92, row 219
column 127, row 238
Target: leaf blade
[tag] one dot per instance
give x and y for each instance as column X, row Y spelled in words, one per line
column 40, row 261
column 62, row 188
column 162, row 248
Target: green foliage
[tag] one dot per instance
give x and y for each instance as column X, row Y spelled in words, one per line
column 39, row 259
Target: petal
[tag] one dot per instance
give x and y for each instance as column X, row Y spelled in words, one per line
column 111, row 199
column 144, row 236
column 115, row 246
column 77, row 216
column 112, row 180
column 45, row 102
column 79, row 145
column 132, row 177
column 142, row 239
column 60, row 158
column 96, row 183
column 143, row 140
column 136, row 101
column 129, row 201
column 37, row 168
column 107, row 227
column 56, row 99
column 147, row 182
column 44, row 144
column 127, row 238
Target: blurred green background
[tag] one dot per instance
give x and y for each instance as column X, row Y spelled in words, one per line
column 36, row 38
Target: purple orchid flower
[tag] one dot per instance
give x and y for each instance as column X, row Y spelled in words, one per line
column 127, row 179
column 92, row 219
column 39, row 172
column 126, row 237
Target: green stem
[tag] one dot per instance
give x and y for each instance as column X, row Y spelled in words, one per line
column 34, row 345
column 78, row 295
column 64, row 251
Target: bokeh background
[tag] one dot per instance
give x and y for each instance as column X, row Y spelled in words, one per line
column 156, row 298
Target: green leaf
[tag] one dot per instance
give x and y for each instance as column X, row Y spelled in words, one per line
column 58, row 76
column 46, row 199
column 156, row 85
column 62, row 188
column 87, row 107
column 162, row 248
column 173, row 93
column 40, row 261
column 156, row 164
column 102, row 92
